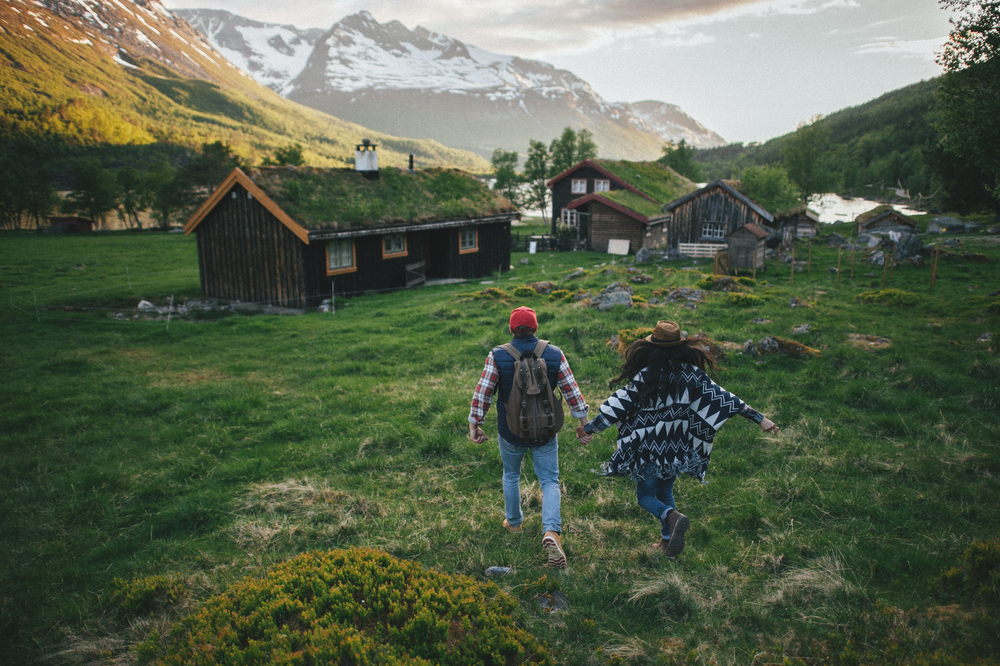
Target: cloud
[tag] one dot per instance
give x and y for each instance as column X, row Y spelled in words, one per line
column 923, row 49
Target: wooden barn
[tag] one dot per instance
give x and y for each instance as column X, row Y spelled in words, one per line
column 885, row 218
column 802, row 223
column 746, row 247
column 292, row 236
column 607, row 200
column 709, row 215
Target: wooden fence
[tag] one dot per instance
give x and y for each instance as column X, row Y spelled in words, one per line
column 700, row 249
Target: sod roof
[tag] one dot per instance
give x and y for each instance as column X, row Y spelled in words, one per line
column 327, row 198
column 659, row 182
column 633, row 201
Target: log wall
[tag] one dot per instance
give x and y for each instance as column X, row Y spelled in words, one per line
column 717, row 205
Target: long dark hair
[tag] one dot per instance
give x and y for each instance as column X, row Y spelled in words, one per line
column 661, row 361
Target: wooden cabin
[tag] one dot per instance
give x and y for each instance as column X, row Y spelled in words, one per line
column 616, row 200
column 710, row 214
column 69, row 225
column 746, row 247
column 803, row 223
column 885, row 218
column 292, row 236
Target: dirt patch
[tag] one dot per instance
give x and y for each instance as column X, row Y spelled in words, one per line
column 868, row 341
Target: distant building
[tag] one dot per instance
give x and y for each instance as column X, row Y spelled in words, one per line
column 69, row 225
column 709, row 215
column 746, row 247
column 885, row 218
column 803, row 223
column 616, row 200
column 291, row 236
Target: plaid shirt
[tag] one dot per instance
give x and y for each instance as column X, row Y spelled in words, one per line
column 482, row 397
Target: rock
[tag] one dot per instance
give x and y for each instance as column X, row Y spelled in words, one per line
column 945, row 225
column 145, row 306
column 908, row 245
column 761, row 320
column 797, row 303
column 868, row 341
column 578, row 273
column 774, row 345
column 685, row 294
column 866, row 240
column 834, row 269
column 804, row 328
column 618, row 293
column 543, row 288
column 643, row 256
column 877, row 258
column 951, row 242
column 642, row 278
column 749, row 349
column 985, row 337
column 836, row 240
column 525, row 261
column 916, row 260
column 993, row 230
column 972, row 226
column 690, row 305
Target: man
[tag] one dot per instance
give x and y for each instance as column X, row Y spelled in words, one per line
column 498, row 377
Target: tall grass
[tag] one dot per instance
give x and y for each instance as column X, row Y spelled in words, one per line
column 206, row 451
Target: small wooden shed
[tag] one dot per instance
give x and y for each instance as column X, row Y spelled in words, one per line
column 746, row 247
column 710, row 214
column 803, row 223
column 292, row 236
column 69, row 225
column 885, row 218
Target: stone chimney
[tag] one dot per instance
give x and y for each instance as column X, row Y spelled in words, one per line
column 366, row 159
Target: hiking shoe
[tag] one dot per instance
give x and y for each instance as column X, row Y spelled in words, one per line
column 552, row 545
column 513, row 529
column 662, row 546
column 678, row 524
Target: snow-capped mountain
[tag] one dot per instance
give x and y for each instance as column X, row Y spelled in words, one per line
column 422, row 84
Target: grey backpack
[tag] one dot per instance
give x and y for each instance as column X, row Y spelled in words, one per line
column 534, row 410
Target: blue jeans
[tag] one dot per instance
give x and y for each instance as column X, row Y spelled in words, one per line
column 656, row 496
column 545, row 460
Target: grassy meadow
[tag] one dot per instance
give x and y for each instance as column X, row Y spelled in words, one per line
column 200, row 452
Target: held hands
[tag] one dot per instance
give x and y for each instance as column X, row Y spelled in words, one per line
column 767, row 425
column 582, row 435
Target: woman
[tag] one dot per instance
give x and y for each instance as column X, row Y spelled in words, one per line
column 667, row 416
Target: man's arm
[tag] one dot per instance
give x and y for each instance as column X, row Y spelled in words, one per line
column 482, row 398
column 574, row 398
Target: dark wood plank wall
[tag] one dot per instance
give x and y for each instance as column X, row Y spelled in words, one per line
column 608, row 224
column 246, row 254
column 715, row 206
column 744, row 249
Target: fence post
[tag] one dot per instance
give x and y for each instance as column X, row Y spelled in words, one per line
column 937, row 253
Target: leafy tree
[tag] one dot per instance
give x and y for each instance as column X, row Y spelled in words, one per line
column 969, row 95
column 680, row 158
column 504, row 169
column 570, row 148
column 94, row 193
column 771, row 187
column 133, row 195
column 211, row 166
column 802, row 154
column 27, row 193
column 169, row 193
column 289, row 156
column 536, row 171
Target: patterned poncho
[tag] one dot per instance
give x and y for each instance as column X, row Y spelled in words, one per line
column 675, row 432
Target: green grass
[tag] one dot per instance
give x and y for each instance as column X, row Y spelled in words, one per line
column 198, row 454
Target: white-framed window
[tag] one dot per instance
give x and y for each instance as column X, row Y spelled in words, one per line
column 602, row 185
column 394, row 245
column 468, row 240
column 570, row 217
column 578, row 186
column 713, row 230
column 340, row 257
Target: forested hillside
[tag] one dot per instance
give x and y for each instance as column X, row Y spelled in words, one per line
column 885, row 147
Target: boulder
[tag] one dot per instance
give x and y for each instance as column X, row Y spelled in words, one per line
column 945, row 225
column 578, row 273
column 972, row 226
column 866, row 240
column 908, row 245
column 618, row 293
column 836, row 240
column 643, row 256
column 877, row 258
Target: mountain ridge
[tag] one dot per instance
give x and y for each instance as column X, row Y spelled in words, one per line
column 420, row 83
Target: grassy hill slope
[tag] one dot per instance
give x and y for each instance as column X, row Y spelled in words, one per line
column 102, row 74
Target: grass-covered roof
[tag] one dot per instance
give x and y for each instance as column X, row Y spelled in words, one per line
column 652, row 179
column 633, row 201
column 320, row 198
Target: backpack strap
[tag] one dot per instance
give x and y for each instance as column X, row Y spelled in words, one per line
column 512, row 350
column 540, row 348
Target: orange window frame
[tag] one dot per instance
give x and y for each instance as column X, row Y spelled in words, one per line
column 389, row 255
column 353, row 268
column 475, row 246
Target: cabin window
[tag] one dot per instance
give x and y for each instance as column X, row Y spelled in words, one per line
column 394, row 245
column 570, row 217
column 713, row 230
column 602, row 185
column 340, row 257
column 468, row 240
column 578, row 186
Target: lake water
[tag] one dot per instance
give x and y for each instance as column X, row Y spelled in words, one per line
column 832, row 208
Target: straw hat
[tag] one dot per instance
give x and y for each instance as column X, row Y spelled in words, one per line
column 666, row 334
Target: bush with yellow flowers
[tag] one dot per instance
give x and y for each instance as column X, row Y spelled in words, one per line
column 355, row 606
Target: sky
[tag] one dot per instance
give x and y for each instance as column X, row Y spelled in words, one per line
column 749, row 70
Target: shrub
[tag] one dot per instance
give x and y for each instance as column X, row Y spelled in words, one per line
column 744, row 300
column 144, row 595
column 978, row 572
column 355, row 606
column 627, row 336
column 888, row 297
column 524, row 292
column 560, row 294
